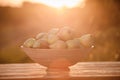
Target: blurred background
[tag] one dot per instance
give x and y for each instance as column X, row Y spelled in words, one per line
column 21, row 19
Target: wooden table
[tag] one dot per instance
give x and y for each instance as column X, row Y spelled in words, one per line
column 80, row 71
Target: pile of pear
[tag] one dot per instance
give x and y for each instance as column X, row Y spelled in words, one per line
column 56, row 38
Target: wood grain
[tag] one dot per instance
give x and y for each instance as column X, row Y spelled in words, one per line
column 82, row 69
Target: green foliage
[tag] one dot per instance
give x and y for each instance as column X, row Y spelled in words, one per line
column 13, row 54
column 106, row 46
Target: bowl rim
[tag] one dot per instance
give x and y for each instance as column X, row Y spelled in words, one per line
column 22, row 46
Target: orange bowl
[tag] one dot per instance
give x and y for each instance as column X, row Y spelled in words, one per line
column 57, row 58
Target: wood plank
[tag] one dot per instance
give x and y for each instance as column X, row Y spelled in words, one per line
column 82, row 69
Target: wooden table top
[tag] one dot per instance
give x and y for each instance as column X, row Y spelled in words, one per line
column 34, row 71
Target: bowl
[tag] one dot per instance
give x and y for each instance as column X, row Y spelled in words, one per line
column 57, row 59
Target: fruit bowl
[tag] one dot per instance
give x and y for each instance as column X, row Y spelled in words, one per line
column 57, row 59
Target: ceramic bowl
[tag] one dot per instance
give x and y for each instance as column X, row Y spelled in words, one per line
column 57, row 59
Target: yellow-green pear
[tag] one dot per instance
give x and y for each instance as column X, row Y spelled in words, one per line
column 41, row 44
column 58, row 45
column 42, row 36
column 52, row 38
column 87, row 40
column 54, row 31
column 66, row 34
column 29, row 42
column 73, row 44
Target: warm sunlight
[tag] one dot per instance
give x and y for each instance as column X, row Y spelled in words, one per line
column 60, row 3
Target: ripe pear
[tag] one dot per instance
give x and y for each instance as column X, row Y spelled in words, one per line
column 66, row 34
column 52, row 38
column 42, row 36
column 54, row 31
column 87, row 40
column 58, row 45
column 73, row 44
column 41, row 44
column 29, row 42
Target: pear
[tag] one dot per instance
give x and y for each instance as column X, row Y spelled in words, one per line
column 54, row 31
column 42, row 36
column 29, row 42
column 73, row 44
column 41, row 44
column 58, row 45
column 66, row 34
column 87, row 40
column 52, row 38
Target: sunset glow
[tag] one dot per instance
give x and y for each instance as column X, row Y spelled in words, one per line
column 60, row 3
column 51, row 3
